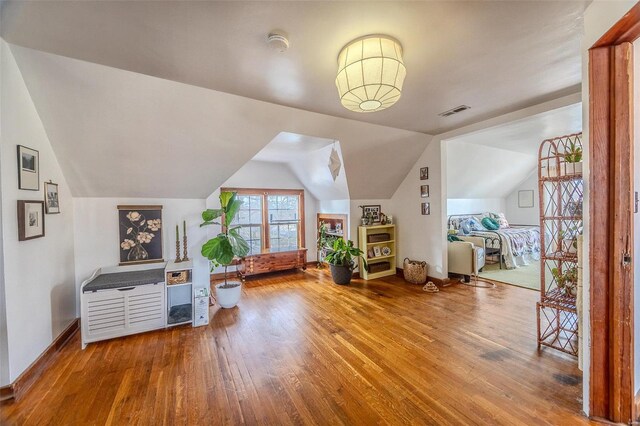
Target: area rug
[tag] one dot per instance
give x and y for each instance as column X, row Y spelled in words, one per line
column 525, row 276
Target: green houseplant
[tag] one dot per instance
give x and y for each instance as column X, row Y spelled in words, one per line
column 573, row 159
column 341, row 259
column 567, row 281
column 226, row 246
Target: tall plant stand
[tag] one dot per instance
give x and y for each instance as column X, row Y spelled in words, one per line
column 561, row 193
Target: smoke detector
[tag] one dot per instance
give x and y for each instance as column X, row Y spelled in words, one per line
column 278, row 41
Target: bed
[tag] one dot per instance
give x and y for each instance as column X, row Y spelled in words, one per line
column 514, row 246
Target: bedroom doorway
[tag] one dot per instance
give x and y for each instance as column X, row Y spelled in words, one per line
column 613, row 206
column 492, row 175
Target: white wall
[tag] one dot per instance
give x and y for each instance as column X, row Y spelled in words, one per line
column 422, row 237
column 524, row 215
column 4, row 351
column 475, row 205
column 97, row 233
column 479, row 171
column 263, row 174
column 598, row 18
column 38, row 274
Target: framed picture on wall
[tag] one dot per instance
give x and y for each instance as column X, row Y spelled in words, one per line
column 51, row 201
column 426, row 209
column 424, row 191
column 28, row 169
column 525, row 199
column 30, row 219
column 140, row 234
column 424, row 173
column 374, row 210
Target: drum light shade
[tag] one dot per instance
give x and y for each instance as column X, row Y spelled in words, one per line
column 370, row 73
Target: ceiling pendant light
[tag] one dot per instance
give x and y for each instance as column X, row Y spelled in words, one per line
column 370, row 73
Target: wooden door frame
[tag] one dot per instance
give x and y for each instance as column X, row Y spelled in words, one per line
column 611, row 395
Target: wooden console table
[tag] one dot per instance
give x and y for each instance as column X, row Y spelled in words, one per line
column 272, row 261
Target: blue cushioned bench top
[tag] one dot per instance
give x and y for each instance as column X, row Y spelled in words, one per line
column 124, row 279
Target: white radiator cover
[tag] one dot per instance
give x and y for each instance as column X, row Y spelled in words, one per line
column 120, row 312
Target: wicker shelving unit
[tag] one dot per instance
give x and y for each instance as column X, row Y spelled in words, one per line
column 561, row 193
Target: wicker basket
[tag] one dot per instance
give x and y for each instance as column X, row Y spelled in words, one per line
column 414, row 271
column 178, row 277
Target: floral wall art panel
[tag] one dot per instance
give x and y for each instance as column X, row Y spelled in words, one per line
column 140, row 234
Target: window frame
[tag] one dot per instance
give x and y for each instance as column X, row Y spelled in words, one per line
column 264, row 193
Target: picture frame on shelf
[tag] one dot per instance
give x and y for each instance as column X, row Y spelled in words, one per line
column 424, row 191
column 525, row 199
column 370, row 253
column 374, row 210
column 140, row 234
column 424, row 173
column 377, row 252
column 30, row 219
column 426, row 209
column 51, row 198
column 386, row 251
column 28, row 169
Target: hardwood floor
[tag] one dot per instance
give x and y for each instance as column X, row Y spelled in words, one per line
column 302, row 350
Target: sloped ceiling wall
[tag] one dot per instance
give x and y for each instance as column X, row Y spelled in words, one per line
column 478, row 171
column 308, row 158
column 119, row 133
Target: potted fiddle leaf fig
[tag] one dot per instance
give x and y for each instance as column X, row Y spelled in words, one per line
column 225, row 247
column 341, row 259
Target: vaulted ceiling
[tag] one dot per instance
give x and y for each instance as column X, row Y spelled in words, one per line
column 170, row 98
column 118, row 133
column 493, row 56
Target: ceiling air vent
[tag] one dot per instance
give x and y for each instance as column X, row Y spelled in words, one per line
column 454, row 110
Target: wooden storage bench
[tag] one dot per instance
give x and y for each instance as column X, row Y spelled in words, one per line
column 273, row 261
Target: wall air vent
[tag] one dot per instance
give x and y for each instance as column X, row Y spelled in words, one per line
column 454, row 110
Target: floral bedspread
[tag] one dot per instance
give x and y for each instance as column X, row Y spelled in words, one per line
column 516, row 242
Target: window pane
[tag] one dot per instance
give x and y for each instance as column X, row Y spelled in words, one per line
column 256, row 216
column 243, row 216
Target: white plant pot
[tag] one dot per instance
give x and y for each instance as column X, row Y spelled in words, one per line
column 571, row 169
column 563, row 169
column 228, row 297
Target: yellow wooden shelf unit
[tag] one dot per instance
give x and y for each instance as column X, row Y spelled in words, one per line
column 377, row 236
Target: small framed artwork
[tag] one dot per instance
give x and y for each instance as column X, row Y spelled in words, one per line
column 525, row 199
column 386, row 251
column 374, row 210
column 424, row 191
column 377, row 252
column 30, row 219
column 51, row 201
column 424, row 173
column 426, row 208
column 140, row 234
column 370, row 254
column 28, row 169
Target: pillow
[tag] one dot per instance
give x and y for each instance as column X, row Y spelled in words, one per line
column 475, row 224
column 490, row 224
column 465, row 227
column 502, row 220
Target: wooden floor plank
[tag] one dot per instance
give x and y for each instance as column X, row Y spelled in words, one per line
column 302, row 350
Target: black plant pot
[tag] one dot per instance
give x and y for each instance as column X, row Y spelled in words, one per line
column 341, row 274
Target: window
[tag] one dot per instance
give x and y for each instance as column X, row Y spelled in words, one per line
column 270, row 219
column 249, row 217
column 284, row 220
